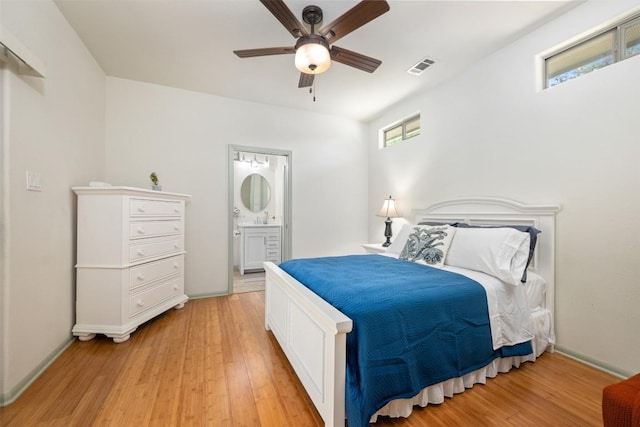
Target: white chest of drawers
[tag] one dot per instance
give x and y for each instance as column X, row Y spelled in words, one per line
column 130, row 259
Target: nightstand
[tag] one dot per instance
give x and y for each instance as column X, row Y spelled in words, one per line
column 374, row 248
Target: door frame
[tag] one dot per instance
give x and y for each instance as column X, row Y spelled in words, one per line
column 287, row 210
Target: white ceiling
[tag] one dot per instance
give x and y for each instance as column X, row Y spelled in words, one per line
column 189, row 44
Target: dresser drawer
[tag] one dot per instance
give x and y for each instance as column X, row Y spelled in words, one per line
column 149, row 298
column 145, row 208
column 273, row 255
column 273, row 241
column 155, row 247
column 146, row 273
column 142, row 229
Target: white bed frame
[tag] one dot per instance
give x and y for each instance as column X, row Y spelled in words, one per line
column 312, row 333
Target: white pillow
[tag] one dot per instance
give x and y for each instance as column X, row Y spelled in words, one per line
column 536, row 290
column 428, row 244
column 500, row 252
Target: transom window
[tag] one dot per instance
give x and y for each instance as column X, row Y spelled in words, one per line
column 596, row 51
column 398, row 132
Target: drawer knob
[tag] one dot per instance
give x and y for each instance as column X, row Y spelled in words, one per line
column 177, row 228
column 140, row 303
column 140, row 276
column 175, row 287
column 176, row 210
column 140, row 252
column 177, row 246
column 140, row 208
column 140, row 230
column 176, row 265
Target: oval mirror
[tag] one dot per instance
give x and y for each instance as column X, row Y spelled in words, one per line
column 255, row 192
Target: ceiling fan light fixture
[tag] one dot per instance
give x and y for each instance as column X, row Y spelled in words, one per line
column 312, row 54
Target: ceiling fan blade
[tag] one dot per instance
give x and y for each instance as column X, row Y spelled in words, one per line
column 354, row 18
column 306, row 80
column 248, row 53
column 354, row 59
column 286, row 17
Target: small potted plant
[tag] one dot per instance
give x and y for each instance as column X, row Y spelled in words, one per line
column 154, row 179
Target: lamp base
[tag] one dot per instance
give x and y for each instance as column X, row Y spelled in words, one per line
column 387, row 232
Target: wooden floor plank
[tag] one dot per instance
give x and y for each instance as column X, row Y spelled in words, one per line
column 212, row 363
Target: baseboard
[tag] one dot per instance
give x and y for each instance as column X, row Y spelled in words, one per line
column 7, row 398
column 200, row 296
column 620, row 373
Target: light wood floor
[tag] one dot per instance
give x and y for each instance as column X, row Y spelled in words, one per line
column 213, row 364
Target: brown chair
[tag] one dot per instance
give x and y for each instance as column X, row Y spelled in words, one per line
column 621, row 403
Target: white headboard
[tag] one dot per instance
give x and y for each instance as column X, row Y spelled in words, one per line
column 496, row 211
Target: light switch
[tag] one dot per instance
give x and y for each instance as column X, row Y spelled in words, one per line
column 34, row 181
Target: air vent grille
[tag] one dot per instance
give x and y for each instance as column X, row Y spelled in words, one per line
column 421, row 66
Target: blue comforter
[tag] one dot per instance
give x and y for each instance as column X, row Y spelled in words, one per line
column 413, row 325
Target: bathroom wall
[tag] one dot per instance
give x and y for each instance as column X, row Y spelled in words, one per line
column 274, row 174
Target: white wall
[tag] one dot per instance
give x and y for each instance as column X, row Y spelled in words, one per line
column 184, row 137
column 54, row 126
column 490, row 132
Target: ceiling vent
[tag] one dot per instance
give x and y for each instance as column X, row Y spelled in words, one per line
column 420, row 66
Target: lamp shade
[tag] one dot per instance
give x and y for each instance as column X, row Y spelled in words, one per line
column 312, row 55
column 389, row 209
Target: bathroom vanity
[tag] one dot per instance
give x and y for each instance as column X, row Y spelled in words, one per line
column 259, row 243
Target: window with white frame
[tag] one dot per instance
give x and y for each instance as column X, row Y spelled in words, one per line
column 400, row 131
column 630, row 36
column 596, row 51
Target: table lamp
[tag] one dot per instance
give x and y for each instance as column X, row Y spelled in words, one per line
column 388, row 210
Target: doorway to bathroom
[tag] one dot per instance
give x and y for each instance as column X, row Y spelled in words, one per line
column 260, row 216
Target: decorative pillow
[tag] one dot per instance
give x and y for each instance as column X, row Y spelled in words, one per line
column 401, row 238
column 500, row 252
column 533, row 239
column 428, row 245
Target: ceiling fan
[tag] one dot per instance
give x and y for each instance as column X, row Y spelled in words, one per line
column 315, row 51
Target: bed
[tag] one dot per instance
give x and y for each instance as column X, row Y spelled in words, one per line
column 313, row 334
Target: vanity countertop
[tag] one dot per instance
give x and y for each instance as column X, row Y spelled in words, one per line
column 260, row 225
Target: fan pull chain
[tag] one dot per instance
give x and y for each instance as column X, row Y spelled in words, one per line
column 314, row 90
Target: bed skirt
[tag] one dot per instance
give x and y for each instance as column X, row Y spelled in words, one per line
column 544, row 339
